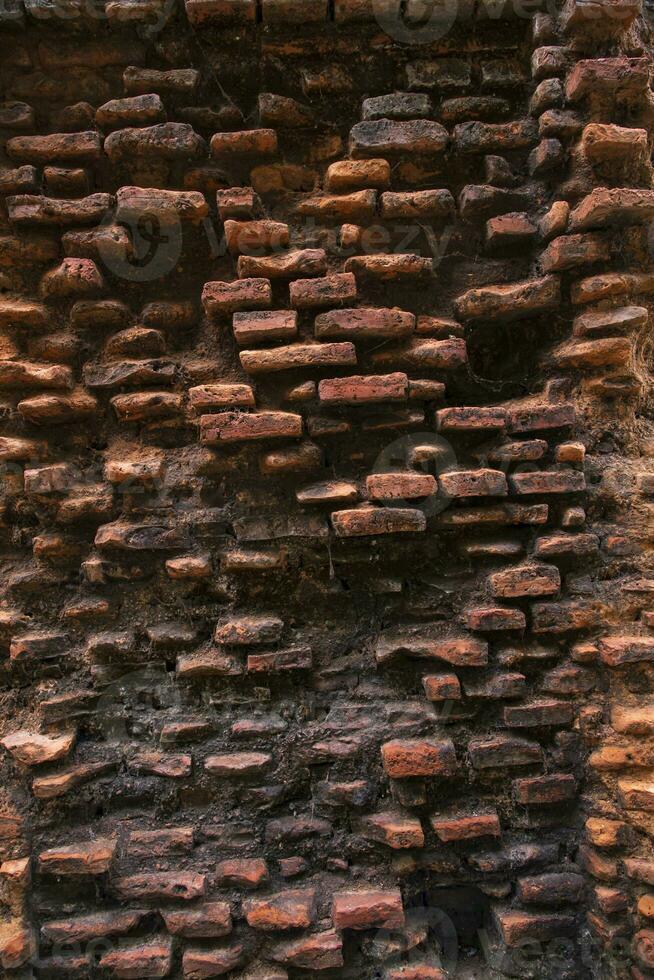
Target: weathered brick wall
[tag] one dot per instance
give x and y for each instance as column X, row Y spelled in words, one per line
column 325, row 386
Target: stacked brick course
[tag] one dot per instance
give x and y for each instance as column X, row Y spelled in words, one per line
column 325, row 383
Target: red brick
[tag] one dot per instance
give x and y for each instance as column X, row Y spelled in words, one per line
column 400, row 486
column 515, row 301
column 321, row 951
column 395, row 830
column 363, row 389
column 199, row 964
column 355, row 324
column 269, row 325
column 404, row 758
column 538, row 790
column 284, row 910
column 377, row 520
column 243, row 294
column 308, row 294
column 152, row 959
column 229, row 427
column 473, row 483
column 211, row 920
column 465, row 827
column 297, row 356
column 385, row 136
column 92, row 858
column 470, row 419
column 548, row 481
column 351, row 175
column 538, row 713
column 252, row 142
column 243, row 872
column 284, row 265
column 525, row 581
column 368, row 910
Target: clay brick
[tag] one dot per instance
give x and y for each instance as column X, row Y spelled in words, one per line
column 518, row 927
column 400, row 486
column 363, row 389
column 562, row 617
column 85, row 928
column 525, row 581
column 507, row 230
column 404, row 758
column 620, row 78
column 515, row 301
column 281, row 661
column 417, row 204
column 465, row 827
column 237, row 764
column 368, row 909
column 384, row 137
column 206, row 397
column 354, row 175
column 473, row 483
column 294, row 909
column 94, row 858
column 358, row 206
column 64, row 147
column 255, row 237
column 243, row 872
column 633, row 721
column 605, row 207
column 396, row 830
column 153, row 959
column 551, row 889
column 321, row 951
column 133, row 203
column 269, row 325
column 622, row 320
column 570, row 251
column 538, row 713
column 355, row 324
column 457, row 651
column 199, row 964
column 539, row 790
column 377, row 520
column 618, row 650
column 442, row 687
column 285, row 265
column 479, row 137
column 548, row 481
column 306, row 294
column 399, row 105
column 493, row 618
column 229, row 297
column 297, row 356
column 161, row 886
column 229, row 427
column 389, row 268
column 251, row 629
column 32, row 749
column 500, row 751
column 253, row 142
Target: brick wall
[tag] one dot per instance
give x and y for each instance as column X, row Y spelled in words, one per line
column 325, row 460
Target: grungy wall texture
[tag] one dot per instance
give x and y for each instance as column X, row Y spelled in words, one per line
column 326, row 468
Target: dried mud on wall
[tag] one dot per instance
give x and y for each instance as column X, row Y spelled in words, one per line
column 325, row 459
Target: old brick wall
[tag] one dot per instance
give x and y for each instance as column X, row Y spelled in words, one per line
column 325, row 460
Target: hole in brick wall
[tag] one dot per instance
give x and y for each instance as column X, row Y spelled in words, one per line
column 467, row 908
column 509, row 354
